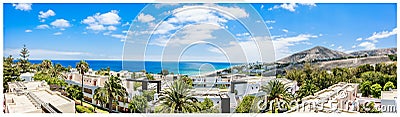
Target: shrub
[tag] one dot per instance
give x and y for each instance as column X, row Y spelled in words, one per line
column 82, row 109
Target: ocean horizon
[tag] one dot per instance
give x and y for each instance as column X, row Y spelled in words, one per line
column 182, row 67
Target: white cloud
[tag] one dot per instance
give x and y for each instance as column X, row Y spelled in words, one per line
column 112, row 28
column 332, row 45
column 159, row 5
column 282, row 44
column 96, row 27
column 43, row 15
column 109, row 18
column 23, row 6
column 354, row 46
column 126, row 24
column 145, row 18
column 309, row 4
column 48, row 54
column 359, row 39
column 242, row 34
column 284, row 30
column 119, row 36
column 28, row 31
column 291, row 6
column 367, row 45
column 340, row 48
column 381, row 35
column 57, row 33
column 235, row 11
column 196, row 32
column 270, row 21
column 60, row 23
column 43, row 26
column 100, row 22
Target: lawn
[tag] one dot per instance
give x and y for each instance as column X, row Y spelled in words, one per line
column 91, row 106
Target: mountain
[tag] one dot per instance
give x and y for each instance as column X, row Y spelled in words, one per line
column 376, row 52
column 316, row 53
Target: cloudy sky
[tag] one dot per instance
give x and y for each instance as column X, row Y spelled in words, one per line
column 207, row 32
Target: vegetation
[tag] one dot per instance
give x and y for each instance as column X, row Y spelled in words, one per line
column 138, row 104
column 113, row 90
column 101, row 95
column 10, row 72
column 376, row 90
column 312, row 79
column 246, row 105
column 389, row 85
column 149, row 95
column 82, row 68
column 365, row 88
column 24, row 63
column 187, row 80
column 82, row 109
column 136, row 85
column 177, row 99
column 277, row 92
column 150, row 77
column 307, row 89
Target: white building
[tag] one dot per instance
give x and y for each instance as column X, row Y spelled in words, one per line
column 35, row 97
column 27, row 76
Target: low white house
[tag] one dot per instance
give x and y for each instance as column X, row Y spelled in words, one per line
column 27, row 76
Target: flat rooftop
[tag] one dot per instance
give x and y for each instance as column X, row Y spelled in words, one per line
column 19, row 104
column 51, row 97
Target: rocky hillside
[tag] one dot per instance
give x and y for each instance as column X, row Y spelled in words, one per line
column 376, row 52
column 316, row 53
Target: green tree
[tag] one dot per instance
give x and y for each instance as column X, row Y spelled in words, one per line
column 24, row 63
column 74, row 92
column 149, row 95
column 207, row 104
column 277, row 92
column 247, row 104
column 114, row 91
column 164, row 72
column 101, row 96
column 187, row 80
column 82, row 68
column 136, row 85
column 307, row 89
column 376, row 90
column 150, row 77
column 366, row 88
column 388, row 85
column 297, row 75
column 177, row 99
column 10, row 72
column 138, row 104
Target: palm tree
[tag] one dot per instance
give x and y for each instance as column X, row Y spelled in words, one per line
column 277, row 91
column 46, row 65
column 177, row 98
column 307, row 89
column 114, row 90
column 100, row 95
column 82, row 67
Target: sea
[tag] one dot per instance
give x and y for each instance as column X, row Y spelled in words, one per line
column 182, row 67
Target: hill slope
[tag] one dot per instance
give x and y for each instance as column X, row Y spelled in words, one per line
column 316, row 53
column 376, row 52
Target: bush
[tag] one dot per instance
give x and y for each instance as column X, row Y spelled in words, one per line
column 82, row 109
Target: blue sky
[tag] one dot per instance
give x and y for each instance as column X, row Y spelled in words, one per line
column 98, row 31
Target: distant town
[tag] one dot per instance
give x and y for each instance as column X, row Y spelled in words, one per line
column 318, row 80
